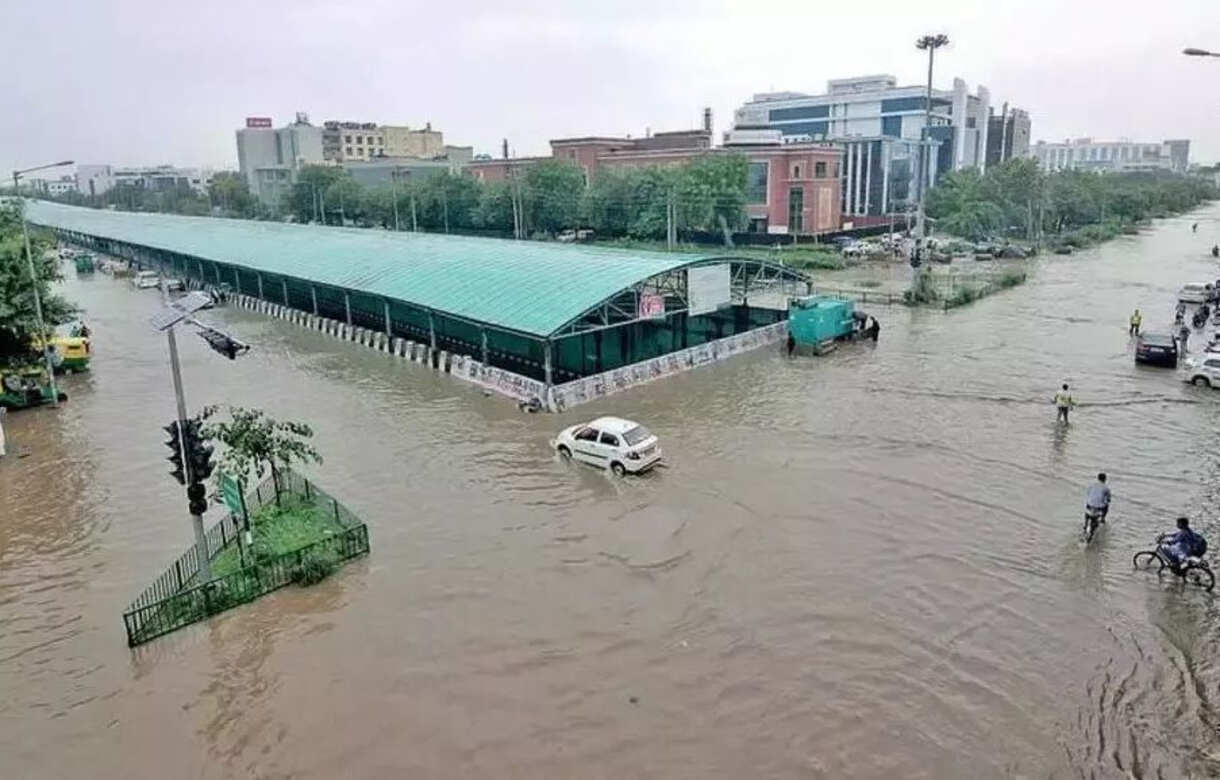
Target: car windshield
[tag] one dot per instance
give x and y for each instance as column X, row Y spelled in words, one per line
column 1158, row 339
column 636, row 435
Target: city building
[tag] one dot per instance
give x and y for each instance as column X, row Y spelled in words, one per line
column 270, row 157
column 880, row 125
column 1122, row 155
column 161, row 178
column 94, row 180
column 1007, row 135
column 366, row 140
column 792, row 188
column 385, row 171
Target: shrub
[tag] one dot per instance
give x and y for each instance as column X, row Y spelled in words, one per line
column 313, row 568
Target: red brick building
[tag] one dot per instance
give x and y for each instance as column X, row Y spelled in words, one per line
column 790, row 188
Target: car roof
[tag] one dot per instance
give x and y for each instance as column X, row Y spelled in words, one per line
column 613, row 424
column 1157, row 337
column 1196, row 284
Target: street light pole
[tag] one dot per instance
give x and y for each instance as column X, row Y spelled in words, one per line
column 201, row 539
column 930, row 43
column 29, row 260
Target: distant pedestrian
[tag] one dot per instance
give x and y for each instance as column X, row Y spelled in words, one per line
column 1137, row 319
column 1064, row 403
column 1194, row 228
column 873, row 331
column 1183, row 337
column 791, row 345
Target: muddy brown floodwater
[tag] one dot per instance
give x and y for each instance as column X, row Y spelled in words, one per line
column 863, row 565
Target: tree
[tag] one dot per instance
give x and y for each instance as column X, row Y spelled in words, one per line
column 495, row 207
column 314, row 181
column 18, row 317
column 711, row 193
column 554, row 194
column 255, row 444
column 230, row 192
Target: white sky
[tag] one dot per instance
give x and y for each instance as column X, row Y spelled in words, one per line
column 162, row 81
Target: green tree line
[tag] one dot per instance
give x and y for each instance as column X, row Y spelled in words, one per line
column 1016, row 198
column 550, row 196
column 18, row 320
column 546, row 198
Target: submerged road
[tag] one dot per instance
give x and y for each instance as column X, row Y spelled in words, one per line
column 862, row 565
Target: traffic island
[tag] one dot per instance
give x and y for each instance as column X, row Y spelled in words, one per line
column 297, row 534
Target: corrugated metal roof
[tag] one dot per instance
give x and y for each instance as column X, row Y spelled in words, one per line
column 526, row 286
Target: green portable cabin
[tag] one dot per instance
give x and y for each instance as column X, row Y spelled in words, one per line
column 814, row 319
column 84, row 263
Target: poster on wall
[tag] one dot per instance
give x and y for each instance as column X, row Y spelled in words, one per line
column 707, row 288
column 652, row 306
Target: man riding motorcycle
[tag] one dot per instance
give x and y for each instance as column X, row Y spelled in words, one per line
column 1096, row 503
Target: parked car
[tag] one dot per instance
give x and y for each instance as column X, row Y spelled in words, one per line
column 1203, row 370
column 1195, row 292
column 1158, row 349
column 144, row 280
column 610, row 443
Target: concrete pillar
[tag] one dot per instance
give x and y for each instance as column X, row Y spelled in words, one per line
column 885, row 177
column 284, row 289
column 237, row 281
column 201, row 277
column 868, row 179
column 216, row 266
column 483, row 335
column 859, row 178
column 388, row 331
column 847, row 205
column 546, row 365
column 260, row 286
column 313, row 296
column 431, row 331
column 347, row 307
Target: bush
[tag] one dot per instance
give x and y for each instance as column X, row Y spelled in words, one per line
column 313, row 568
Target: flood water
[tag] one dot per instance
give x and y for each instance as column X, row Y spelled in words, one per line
column 860, row 565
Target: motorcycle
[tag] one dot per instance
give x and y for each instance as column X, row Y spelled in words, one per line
column 1093, row 518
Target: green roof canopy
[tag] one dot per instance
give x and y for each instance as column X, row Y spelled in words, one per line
column 525, row 286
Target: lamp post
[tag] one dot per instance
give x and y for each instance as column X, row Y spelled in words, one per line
column 929, row 43
column 29, row 259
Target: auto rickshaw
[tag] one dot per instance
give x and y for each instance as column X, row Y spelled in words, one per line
column 23, row 387
column 69, row 353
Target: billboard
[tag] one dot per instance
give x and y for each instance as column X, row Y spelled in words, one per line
column 707, row 288
column 258, row 121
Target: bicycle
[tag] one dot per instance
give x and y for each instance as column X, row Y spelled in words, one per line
column 1194, row 570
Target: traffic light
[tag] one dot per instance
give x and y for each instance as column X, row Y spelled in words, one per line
column 198, row 452
column 197, row 496
column 175, row 444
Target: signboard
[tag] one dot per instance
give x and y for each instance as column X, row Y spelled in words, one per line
column 231, row 492
column 258, row 121
column 652, row 306
column 707, row 288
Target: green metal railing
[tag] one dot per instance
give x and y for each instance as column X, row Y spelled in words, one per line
column 175, row 599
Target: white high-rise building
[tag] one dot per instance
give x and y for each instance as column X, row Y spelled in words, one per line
column 880, row 125
column 270, row 157
column 1123, row 155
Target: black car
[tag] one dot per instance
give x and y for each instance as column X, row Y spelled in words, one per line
column 1158, row 349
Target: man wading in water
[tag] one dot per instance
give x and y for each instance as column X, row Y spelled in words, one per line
column 1064, row 402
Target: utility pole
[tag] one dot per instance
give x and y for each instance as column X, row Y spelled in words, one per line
column 414, row 224
column 43, row 335
column 669, row 220
column 930, row 43
column 394, row 190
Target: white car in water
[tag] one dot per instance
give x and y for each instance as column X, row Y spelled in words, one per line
column 1194, row 293
column 612, row 443
column 1203, row 370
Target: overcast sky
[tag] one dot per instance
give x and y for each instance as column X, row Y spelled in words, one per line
column 161, row 81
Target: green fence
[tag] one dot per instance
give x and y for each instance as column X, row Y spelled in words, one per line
column 175, row 599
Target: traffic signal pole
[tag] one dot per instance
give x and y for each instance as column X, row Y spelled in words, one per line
column 201, row 541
